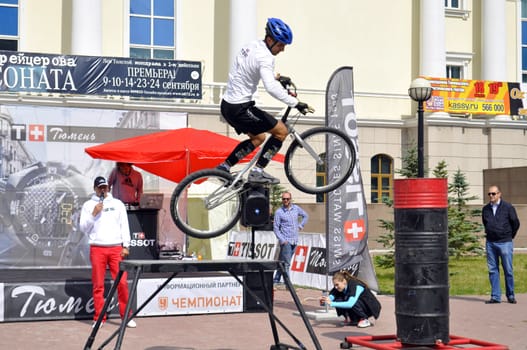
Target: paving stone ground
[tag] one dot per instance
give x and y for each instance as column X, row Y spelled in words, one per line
column 469, row 317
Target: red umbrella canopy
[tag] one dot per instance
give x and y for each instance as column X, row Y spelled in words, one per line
column 171, row 154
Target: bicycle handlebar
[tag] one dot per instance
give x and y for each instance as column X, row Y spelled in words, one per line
column 291, row 90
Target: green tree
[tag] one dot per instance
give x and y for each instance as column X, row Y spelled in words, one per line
column 440, row 171
column 387, row 239
column 463, row 228
column 409, row 169
column 275, row 197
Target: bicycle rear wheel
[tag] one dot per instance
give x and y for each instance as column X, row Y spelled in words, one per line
column 204, row 206
column 306, row 161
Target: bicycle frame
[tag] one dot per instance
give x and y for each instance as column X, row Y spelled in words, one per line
column 235, row 188
column 307, row 147
column 291, row 131
column 237, row 185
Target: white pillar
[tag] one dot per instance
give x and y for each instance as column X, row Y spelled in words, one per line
column 432, row 40
column 243, row 26
column 493, row 40
column 86, row 36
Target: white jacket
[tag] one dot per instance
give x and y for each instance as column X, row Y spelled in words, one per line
column 254, row 62
column 110, row 226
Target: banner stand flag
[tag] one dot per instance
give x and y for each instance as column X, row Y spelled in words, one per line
column 346, row 217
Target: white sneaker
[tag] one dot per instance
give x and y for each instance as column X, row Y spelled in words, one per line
column 131, row 324
column 364, row 323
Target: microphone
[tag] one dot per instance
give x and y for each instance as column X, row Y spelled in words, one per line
column 102, row 197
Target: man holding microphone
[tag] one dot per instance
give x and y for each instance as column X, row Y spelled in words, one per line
column 105, row 221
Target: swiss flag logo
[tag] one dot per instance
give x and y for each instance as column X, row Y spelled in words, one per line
column 299, row 258
column 236, row 251
column 354, row 230
column 36, row 132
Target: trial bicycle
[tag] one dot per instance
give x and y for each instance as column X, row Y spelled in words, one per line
column 208, row 202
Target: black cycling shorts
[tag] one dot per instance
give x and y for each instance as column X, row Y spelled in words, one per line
column 246, row 118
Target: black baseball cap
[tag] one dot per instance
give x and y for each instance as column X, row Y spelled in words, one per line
column 100, row 181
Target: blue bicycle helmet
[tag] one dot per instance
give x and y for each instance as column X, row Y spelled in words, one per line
column 278, row 30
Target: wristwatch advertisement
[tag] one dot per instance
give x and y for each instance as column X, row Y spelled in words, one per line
column 39, row 209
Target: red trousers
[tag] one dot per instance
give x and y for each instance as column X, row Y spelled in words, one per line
column 101, row 257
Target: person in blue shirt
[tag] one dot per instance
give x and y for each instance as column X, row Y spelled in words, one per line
column 288, row 220
column 501, row 225
column 352, row 299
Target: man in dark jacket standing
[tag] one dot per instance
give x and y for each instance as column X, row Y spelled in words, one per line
column 501, row 225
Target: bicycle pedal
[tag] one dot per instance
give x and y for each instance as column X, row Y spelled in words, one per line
column 234, row 185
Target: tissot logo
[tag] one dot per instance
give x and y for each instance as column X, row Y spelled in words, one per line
column 138, row 235
column 236, row 250
column 354, row 230
column 18, row 132
column 36, row 132
column 244, row 249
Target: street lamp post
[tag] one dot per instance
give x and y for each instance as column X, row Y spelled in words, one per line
column 420, row 91
column 416, row 222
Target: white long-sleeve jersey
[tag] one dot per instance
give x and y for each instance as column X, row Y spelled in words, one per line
column 110, row 226
column 253, row 63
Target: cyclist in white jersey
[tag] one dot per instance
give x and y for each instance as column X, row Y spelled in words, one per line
column 255, row 62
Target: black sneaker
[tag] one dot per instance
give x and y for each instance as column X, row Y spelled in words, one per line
column 492, row 301
column 512, row 300
column 261, row 177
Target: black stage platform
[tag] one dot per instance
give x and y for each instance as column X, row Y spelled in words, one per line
column 235, row 268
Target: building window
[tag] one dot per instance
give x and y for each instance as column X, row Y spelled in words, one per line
column 9, row 25
column 152, row 29
column 453, row 4
column 381, row 178
column 457, row 64
column 456, row 9
column 454, row 72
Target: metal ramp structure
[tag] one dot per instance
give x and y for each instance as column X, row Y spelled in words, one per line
column 390, row 342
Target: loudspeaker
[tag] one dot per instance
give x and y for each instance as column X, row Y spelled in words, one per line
column 255, row 206
column 254, row 282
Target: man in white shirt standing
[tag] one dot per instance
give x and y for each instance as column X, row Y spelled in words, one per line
column 105, row 221
column 253, row 63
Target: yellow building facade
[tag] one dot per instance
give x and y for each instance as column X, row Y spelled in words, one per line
column 388, row 44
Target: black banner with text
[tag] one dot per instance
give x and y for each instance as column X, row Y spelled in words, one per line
column 87, row 75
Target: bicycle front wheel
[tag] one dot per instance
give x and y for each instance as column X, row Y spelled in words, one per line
column 306, row 160
column 203, row 204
